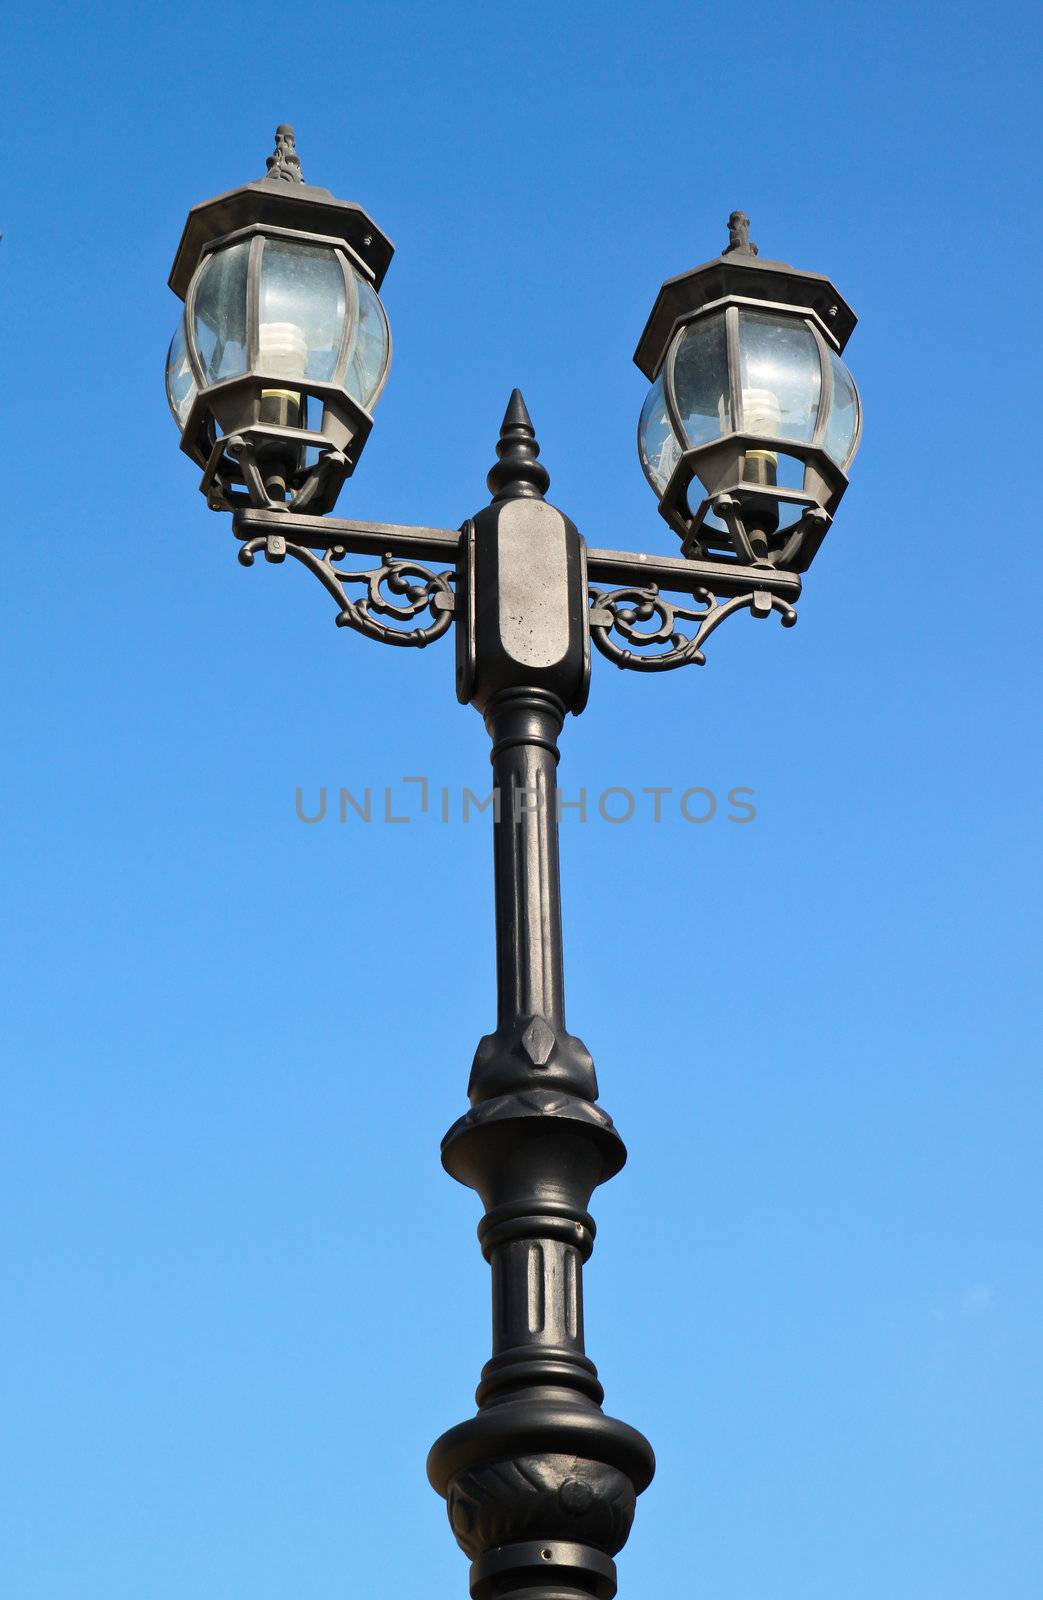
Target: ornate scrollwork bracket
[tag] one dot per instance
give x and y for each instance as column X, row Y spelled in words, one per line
column 409, row 599
column 628, row 612
column 399, row 591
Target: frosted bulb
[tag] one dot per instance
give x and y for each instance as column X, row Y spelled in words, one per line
column 761, row 414
column 761, row 411
column 282, row 349
column 666, row 460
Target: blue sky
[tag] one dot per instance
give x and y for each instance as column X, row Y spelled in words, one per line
column 241, row 1296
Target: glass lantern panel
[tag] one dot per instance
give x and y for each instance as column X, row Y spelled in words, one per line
column 369, row 358
column 701, row 386
column 303, row 308
column 220, row 321
column 657, row 443
column 780, row 376
column 181, row 385
column 842, row 425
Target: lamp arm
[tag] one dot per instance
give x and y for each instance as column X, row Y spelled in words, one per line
column 347, row 534
column 628, row 612
column 403, row 587
column 400, row 591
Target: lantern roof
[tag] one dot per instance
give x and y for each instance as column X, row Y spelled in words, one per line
column 740, row 271
column 282, row 200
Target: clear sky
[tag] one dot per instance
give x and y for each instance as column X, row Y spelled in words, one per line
column 241, row 1296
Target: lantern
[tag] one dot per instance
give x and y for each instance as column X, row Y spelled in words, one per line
column 283, row 347
column 752, row 419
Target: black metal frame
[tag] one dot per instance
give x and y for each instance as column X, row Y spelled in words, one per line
column 540, row 1484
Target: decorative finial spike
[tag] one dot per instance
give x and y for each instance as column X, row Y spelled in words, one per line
column 285, row 165
column 739, row 235
column 517, row 414
column 518, row 474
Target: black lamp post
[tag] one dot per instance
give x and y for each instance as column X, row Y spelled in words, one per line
column 280, row 355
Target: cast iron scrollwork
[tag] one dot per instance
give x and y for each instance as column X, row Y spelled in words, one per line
column 629, row 612
column 399, row 591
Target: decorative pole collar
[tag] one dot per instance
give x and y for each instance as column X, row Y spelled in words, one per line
column 739, row 235
column 284, row 166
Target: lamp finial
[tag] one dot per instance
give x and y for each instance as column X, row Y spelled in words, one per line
column 739, row 235
column 284, row 166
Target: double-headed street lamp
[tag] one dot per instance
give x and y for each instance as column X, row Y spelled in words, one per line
column 749, row 427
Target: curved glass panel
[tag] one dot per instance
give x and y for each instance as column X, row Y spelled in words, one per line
column 303, row 306
column 780, row 376
column 701, row 387
column 368, row 366
column 842, row 426
column 181, row 385
column 657, row 443
column 220, row 313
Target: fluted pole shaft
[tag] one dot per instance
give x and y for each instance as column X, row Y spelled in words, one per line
column 524, row 726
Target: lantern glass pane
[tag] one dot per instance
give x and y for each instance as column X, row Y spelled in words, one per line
column 780, row 376
column 701, row 387
column 303, row 308
column 369, row 357
column 657, row 443
column 181, row 385
column 220, row 320
column 842, row 426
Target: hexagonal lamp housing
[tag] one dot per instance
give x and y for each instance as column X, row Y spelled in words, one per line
column 284, row 346
column 752, row 419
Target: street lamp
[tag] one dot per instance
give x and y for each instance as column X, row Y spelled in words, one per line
column 279, row 357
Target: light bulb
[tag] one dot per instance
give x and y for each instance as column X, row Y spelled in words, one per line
column 761, row 414
column 282, row 349
column 666, row 460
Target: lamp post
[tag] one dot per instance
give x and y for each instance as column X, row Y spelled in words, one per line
column 745, row 437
